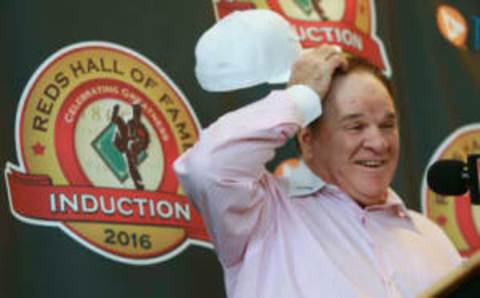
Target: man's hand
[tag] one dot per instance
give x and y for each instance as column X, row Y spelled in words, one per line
column 315, row 68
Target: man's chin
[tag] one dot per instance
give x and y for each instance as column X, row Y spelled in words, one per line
column 372, row 196
column 366, row 189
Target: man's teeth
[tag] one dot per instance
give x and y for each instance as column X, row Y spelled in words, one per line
column 370, row 163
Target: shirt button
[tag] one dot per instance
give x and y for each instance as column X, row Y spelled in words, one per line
column 389, row 282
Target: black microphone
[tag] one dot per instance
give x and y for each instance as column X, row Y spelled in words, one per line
column 454, row 177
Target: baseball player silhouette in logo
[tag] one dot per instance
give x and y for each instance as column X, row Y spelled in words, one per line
column 310, row 6
column 317, row 6
column 131, row 139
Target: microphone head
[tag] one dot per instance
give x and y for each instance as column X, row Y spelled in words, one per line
column 447, row 177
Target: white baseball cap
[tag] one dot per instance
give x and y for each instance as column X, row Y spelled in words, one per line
column 244, row 49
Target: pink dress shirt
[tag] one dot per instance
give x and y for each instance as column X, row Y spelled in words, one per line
column 300, row 237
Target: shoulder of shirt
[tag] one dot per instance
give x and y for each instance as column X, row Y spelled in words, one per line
column 423, row 223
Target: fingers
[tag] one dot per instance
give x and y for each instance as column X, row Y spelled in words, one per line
column 339, row 61
column 333, row 55
column 326, row 55
column 332, row 51
column 315, row 67
column 324, row 52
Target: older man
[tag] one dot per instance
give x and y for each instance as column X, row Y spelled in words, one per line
column 334, row 228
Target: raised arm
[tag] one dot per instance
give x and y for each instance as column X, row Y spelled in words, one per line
column 224, row 173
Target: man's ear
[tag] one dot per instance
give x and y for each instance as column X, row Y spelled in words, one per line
column 304, row 140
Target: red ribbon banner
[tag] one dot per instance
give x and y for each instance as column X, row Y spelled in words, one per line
column 34, row 196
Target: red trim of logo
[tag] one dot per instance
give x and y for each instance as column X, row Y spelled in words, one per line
column 57, row 148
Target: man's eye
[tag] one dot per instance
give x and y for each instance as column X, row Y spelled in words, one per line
column 355, row 127
column 388, row 125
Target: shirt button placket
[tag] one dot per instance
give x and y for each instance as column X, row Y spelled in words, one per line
column 389, row 285
column 364, row 219
column 392, row 289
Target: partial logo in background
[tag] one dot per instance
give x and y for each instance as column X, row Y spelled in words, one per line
column 461, row 31
column 98, row 128
column 286, row 167
column 350, row 24
column 455, row 215
column 452, row 25
column 476, row 32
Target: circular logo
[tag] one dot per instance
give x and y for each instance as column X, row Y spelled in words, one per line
column 458, row 218
column 349, row 24
column 98, row 129
column 452, row 25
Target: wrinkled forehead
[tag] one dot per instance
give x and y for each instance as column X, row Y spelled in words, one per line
column 357, row 85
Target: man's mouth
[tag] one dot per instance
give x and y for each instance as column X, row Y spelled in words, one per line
column 370, row 163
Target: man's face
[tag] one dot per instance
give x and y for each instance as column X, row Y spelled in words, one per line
column 355, row 144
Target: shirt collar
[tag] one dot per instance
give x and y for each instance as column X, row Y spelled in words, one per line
column 393, row 203
column 302, row 182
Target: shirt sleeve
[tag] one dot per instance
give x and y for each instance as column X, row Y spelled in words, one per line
column 224, row 173
column 307, row 100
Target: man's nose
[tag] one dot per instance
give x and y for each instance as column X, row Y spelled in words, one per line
column 376, row 139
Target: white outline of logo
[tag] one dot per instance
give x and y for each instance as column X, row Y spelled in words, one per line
column 21, row 168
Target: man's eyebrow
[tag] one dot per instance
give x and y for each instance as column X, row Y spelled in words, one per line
column 355, row 116
column 391, row 116
column 351, row 117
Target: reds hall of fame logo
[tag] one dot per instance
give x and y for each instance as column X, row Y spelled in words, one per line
column 350, row 24
column 455, row 215
column 98, row 128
